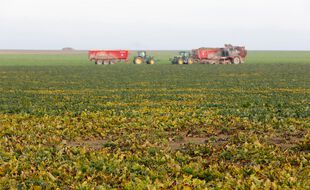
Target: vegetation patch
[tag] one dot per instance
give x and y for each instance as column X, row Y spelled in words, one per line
column 68, row 124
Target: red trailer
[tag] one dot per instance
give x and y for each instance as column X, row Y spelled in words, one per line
column 107, row 56
column 227, row 55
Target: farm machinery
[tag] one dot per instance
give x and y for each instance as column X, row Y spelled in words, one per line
column 227, row 55
column 142, row 57
column 183, row 58
column 108, row 56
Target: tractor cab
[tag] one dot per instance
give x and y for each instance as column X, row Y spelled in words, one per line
column 233, row 51
column 142, row 54
column 236, row 54
column 184, row 54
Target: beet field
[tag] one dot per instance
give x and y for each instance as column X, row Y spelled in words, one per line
column 66, row 123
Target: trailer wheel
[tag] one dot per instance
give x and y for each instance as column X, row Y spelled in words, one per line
column 180, row 61
column 112, row 62
column 99, row 62
column 190, row 61
column 106, row 62
column 236, row 60
column 138, row 60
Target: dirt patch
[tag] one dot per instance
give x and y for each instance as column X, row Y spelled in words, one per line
column 221, row 140
column 175, row 144
column 93, row 144
column 285, row 142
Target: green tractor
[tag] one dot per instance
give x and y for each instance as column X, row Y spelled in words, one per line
column 143, row 58
column 183, row 58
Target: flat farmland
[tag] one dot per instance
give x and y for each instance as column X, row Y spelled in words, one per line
column 67, row 123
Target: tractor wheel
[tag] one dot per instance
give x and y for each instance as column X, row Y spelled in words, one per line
column 106, row 62
column 138, row 60
column 190, row 61
column 180, row 61
column 99, row 62
column 151, row 62
column 236, row 60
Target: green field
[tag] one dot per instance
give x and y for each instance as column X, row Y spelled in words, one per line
column 67, row 123
column 80, row 58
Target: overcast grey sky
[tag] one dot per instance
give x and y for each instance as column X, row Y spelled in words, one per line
column 154, row 24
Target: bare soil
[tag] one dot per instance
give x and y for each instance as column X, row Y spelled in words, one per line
column 175, row 144
column 93, row 144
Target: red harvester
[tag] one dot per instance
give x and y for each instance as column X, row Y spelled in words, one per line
column 107, row 56
column 227, row 55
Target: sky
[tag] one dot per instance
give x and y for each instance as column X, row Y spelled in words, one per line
column 154, row 24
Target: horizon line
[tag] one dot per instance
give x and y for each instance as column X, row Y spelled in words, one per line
column 138, row 49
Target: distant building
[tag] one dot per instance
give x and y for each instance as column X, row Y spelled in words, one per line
column 67, row 49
